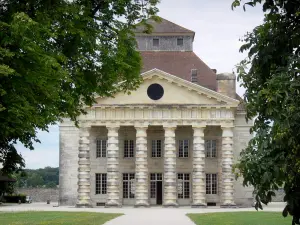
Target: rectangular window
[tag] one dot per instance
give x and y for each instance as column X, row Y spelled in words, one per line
column 101, row 181
column 154, row 177
column 183, row 185
column 128, row 148
column 128, row 185
column 194, row 75
column 101, row 148
column 156, row 148
column 179, row 41
column 183, row 149
column 155, row 42
column 211, row 184
column 211, row 148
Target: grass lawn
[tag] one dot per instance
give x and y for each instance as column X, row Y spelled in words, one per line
column 241, row 218
column 55, row 218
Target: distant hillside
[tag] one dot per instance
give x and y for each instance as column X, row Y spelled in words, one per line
column 46, row 178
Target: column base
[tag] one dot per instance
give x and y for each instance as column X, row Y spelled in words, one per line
column 232, row 206
column 86, row 205
column 142, row 205
column 113, row 205
column 199, row 206
column 170, row 205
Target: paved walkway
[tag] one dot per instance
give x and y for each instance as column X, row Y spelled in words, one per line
column 140, row 216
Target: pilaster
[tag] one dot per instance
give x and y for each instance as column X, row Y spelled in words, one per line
column 227, row 162
column 113, row 191
column 84, row 184
column 199, row 191
column 170, row 190
column 141, row 168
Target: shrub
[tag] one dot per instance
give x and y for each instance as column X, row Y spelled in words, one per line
column 14, row 198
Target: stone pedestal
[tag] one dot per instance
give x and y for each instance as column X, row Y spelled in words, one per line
column 170, row 188
column 113, row 178
column 141, row 168
column 199, row 191
column 84, row 184
column 227, row 162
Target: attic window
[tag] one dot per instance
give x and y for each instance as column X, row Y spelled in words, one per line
column 179, row 41
column 155, row 42
column 194, row 75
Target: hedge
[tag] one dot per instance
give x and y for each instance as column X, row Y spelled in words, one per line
column 15, row 198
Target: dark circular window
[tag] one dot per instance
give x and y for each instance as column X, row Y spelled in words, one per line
column 155, row 91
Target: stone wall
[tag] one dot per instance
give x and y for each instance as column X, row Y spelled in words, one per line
column 40, row 194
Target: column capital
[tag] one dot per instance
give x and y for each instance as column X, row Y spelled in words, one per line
column 227, row 131
column 169, row 127
column 113, row 128
column 198, row 127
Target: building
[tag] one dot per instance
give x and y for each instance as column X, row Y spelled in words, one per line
column 172, row 142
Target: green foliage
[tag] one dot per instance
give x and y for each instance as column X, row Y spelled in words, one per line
column 42, row 178
column 270, row 75
column 56, row 56
column 15, row 198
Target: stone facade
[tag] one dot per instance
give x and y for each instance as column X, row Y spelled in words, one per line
column 166, row 43
column 173, row 151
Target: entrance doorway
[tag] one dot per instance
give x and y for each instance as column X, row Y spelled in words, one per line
column 159, row 192
column 156, row 188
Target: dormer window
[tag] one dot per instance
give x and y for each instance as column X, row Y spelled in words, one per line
column 155, row 42
column 179, row 41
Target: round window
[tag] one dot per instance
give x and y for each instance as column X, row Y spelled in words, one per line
column 155, row 91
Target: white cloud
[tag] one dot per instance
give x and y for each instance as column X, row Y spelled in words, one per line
column 218, row 30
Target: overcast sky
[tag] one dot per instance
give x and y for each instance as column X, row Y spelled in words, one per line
column 218, row 30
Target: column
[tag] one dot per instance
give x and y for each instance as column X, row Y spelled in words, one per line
column 170, row 191
column 84, row 181
column 199, row 191
column 141, row 168
column 113, row 178
column 227, row 162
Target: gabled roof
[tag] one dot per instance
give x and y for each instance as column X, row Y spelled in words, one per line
column 191, row 86
column 164, row 26
column 180, row 65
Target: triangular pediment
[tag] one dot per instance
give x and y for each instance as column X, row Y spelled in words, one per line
column 176, row 91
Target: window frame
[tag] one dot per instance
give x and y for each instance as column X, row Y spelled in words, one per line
column 100, row 152
column 181, row 39
column 183, row 148
column 154, row 177
column 126, row 185
column 100, row 183
column 156, row 150
column 186, row 185
column 129, row 148
column 211, row 183
column 153, row 42
column 211, row 150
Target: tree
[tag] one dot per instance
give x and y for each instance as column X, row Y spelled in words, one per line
column 270, row 75
column 56, row 56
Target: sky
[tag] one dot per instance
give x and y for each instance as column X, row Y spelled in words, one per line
column 218, row 30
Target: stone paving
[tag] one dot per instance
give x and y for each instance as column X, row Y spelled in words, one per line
column 134, row 216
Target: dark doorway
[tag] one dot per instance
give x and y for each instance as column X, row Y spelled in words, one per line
column 159, row 192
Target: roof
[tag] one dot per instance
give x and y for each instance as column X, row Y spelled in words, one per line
column 180, row 65
column 164, row 26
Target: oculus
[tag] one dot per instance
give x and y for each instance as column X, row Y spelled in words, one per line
column 155, row 91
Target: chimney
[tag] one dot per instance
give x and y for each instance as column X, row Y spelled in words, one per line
column 226, row 84
column 194, row 76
